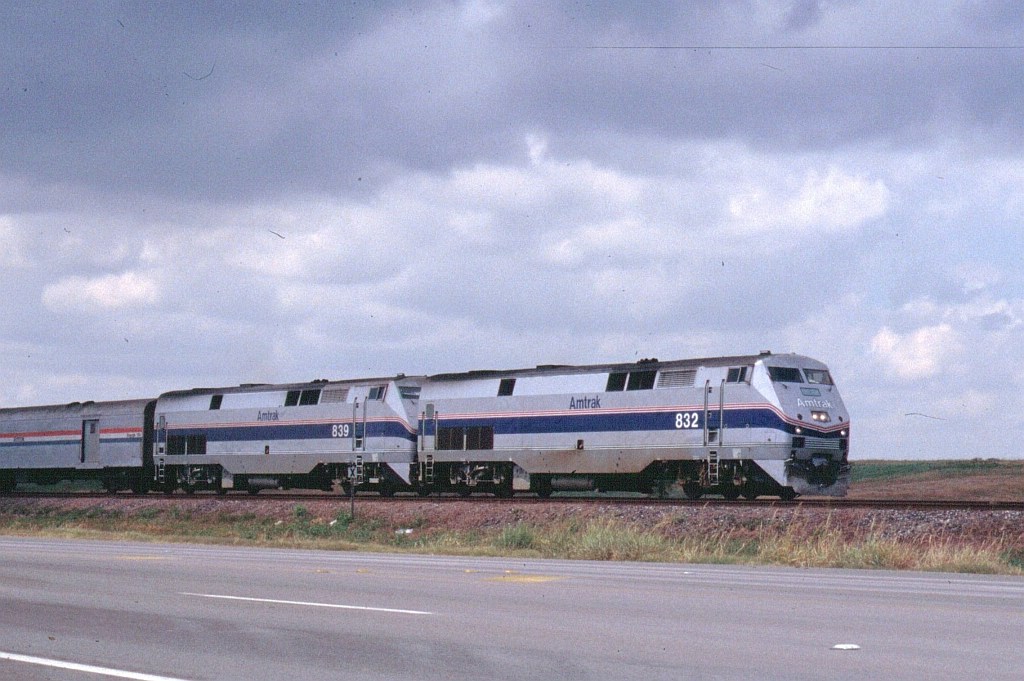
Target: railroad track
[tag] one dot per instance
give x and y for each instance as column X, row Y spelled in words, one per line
column 768, row 502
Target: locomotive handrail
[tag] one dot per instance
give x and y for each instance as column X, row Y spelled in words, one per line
column 707, row 391
column 355, row 421
column 365, row 402
column 721, row 414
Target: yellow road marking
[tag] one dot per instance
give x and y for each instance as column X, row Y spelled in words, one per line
column 515, row 578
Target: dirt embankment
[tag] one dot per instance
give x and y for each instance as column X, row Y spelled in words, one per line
column 425, row 517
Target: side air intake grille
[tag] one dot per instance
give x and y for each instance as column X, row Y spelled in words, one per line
column 334, row 395
column 677, row 379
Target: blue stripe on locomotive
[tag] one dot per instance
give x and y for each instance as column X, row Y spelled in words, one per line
column 284, row 431
column 735, row 419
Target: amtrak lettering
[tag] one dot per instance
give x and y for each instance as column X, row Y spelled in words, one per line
column 584, row 402
column 820, row 404
column 268, row 416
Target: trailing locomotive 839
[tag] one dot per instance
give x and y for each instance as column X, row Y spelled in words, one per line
column 749, row 425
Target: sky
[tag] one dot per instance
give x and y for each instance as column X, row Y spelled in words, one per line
column 208, row 194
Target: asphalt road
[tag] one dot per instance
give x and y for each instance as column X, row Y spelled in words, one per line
column 165, row 612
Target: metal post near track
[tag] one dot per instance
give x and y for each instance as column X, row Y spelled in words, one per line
column 352, row 489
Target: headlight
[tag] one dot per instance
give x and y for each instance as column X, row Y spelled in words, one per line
column 820, row 416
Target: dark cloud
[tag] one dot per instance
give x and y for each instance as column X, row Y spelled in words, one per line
column 995, row 17
column 230, row 101
column 802, row 14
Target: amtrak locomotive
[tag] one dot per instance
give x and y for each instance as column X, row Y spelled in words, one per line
column 752, row 425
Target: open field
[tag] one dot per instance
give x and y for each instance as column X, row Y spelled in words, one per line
column 954, row 480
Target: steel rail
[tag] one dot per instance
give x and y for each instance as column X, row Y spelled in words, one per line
column 769, row 502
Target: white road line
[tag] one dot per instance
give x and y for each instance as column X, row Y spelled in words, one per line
column 87, row 668
column 315, row 605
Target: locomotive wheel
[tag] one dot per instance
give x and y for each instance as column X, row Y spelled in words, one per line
column 731, row 493
column 542, row 486
column 787, row 494
column 693, row 490
column 423, row 491
column 750, row 495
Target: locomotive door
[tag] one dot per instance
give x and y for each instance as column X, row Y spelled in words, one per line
column 90, row 441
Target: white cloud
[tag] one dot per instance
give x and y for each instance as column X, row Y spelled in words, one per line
column 543, row 183
column 111, row 291
column 10, row 244
column 916, row 355
column 479, row 13
column 617, row 240
column 834, row 202
column 538, row 146
column 977, row 277
column 989, row 315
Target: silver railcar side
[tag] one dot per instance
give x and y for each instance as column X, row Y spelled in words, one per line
column 305, row 435
column 723, row 425
column 108, row 441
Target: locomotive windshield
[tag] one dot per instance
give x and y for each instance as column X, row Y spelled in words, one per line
column 785, row 375
column 818, row 376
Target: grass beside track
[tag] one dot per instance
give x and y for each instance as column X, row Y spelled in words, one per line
column 801, row 538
